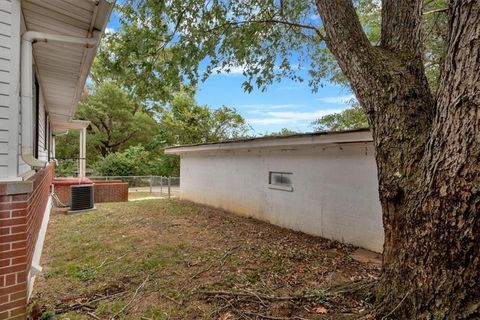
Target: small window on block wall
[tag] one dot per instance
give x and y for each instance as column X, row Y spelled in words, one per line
column 280, row 181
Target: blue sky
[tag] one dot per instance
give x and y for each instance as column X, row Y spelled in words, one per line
column 287, row 104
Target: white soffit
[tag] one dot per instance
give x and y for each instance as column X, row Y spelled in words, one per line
column 63, row 68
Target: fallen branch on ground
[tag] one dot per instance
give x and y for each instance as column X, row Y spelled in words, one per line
column 239, row 294
column 352, row 287
column 93, row 315
column 87, row 305
column 131, row 300
column 264, row 316
column 210, row 266
column 104, row 263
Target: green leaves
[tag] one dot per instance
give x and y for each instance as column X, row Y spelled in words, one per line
column 165, row 46
column 117, row 121
column 351, row 118
column 186, row 122
column 134, row 161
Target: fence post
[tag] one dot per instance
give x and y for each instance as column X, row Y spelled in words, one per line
column 151, row 183
column 161, row 185
column 169, row 184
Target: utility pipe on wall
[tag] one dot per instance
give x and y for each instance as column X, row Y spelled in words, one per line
column 28, row 39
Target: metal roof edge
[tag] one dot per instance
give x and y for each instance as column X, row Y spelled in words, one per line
column 304, row 139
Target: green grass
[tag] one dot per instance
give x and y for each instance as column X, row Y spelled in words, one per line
column 157, row 255
column 141, row 194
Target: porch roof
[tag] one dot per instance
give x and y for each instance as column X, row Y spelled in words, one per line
column 63, row 68
column 70, row 125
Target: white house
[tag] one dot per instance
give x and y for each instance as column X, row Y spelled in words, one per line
column 323, row 184
column 46, row 50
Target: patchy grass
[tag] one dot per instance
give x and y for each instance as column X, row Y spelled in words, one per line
column 169, row 259
column 142, row 194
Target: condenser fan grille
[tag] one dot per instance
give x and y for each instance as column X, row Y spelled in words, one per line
column 81, row 197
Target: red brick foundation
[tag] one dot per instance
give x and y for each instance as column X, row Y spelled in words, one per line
column 22, row 205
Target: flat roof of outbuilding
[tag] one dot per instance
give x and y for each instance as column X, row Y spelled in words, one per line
column 301, row 139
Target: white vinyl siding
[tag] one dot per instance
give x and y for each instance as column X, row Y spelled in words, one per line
column 9, row 86
column 42, row 145
column 5, row 72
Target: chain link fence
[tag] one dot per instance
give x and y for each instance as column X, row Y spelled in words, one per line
column 147, row 186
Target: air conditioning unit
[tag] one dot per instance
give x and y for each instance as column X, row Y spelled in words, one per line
column 81, row 197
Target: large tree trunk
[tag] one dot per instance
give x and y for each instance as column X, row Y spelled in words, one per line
column 427, row 152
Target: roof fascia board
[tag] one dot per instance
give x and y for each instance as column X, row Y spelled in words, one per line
column 101, row 17
column 307, row 140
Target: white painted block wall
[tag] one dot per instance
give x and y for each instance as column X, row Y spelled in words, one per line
column 335, row 189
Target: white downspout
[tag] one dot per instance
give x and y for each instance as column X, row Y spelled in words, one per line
column 28, row 39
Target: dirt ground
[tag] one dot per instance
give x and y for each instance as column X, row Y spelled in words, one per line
column 169, row 259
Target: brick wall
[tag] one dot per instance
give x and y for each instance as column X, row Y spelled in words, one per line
column 104, row 190
column 63, row 193
column 22, row 205
column 111, row 192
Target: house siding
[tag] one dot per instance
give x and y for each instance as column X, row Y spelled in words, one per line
column 25, row 169
column 42, row 145
column 9, row 86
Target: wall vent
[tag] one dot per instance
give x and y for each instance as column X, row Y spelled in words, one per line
column 81, row 197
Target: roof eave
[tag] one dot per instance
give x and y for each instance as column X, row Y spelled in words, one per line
column 102, row 16
column 302, row 140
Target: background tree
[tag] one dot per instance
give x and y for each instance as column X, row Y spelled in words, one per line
column 185, row 122
column 116, row 120
column 66, row 153
column 348, row 119
column 282, row 132
column 425, row 135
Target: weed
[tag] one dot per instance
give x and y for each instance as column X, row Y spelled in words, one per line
column 82, row 273
column 47, row 315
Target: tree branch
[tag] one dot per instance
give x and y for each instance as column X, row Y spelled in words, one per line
column 271, row 21
column 401, row 26
column 435, row 11
column 349, row 44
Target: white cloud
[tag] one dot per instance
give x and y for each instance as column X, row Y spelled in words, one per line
column 237, row 70
column 337, row 99
column 262, row 108
column 229, row 70
column 109, row 30
column 290, row 117
column 288, row 88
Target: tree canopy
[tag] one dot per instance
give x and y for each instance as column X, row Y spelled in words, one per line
column 185, row 122
column 348, row 119
column 116, row 120
column 126, row 139
column 160, row 47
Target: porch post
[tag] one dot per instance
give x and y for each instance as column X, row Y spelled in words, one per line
column 83, row 152
column 53, row 146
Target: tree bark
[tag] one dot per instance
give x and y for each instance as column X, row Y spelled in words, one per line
column 427, row 153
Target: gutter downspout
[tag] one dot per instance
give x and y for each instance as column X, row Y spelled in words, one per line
column 28, row 39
